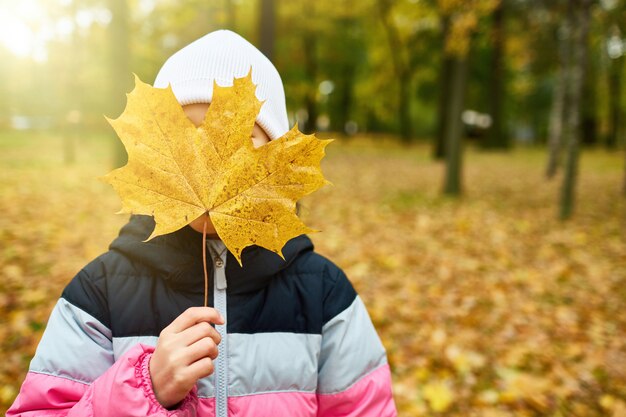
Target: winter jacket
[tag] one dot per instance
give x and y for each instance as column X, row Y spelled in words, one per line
column 298, row 341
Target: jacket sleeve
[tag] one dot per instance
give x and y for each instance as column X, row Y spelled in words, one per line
column 354, row 377
column 74, row 371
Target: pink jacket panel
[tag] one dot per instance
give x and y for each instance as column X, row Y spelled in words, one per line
column 46, row 395
column 369, row 397
column 124, row 390
column 277, row 404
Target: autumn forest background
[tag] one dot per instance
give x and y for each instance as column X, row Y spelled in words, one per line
column 479, row 171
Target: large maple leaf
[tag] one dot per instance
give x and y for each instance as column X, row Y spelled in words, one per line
column 178, row 172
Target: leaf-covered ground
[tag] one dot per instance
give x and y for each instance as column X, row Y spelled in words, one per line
column 488, row 306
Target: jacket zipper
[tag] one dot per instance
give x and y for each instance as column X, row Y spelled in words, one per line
column 219, row 301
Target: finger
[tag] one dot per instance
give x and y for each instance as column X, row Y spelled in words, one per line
column 202, row 348
column 201, row 368
column 195, row 315
column 199, row 331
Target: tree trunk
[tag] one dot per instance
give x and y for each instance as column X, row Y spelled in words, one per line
column 497, row 137
column 616, row 66
column 614, row 103
column 119, row 67
column 309, row 43
column 267, row 25
column 589, row 106
column 445, row 80
column 559, row 100
column 580, row 16
column 624, row 185
column 346, row 99
column 401, row 68
column 404, row 108
column 454, row 130
column 311, row 110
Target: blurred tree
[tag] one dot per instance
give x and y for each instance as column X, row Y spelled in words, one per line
column 297, row 59
column 454, row 127
column 119, row 65
column 615, row 48
column 310, row 37
column 531, row 62
column 267, row 27
column 445, row 82
column 401, row 65
column 560, row 99
column 169, row 25
column 497, row 137
column 589, row 106
column 411, row 31
column 346, row 76
column 231, row 15
column 403, row 60
column 600, row 97
column 624, row 181
column 322, row 53
column 453, row 133
column 343, row 53
column 464, row 17
column 579, row 16
column 381, row 87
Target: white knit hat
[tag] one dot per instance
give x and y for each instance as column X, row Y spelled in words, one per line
column 221, row 56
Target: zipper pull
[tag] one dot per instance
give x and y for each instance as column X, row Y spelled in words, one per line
column 220, row 273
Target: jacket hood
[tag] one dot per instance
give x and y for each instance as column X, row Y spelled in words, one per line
column 177, row 257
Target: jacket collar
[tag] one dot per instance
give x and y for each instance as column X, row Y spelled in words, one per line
column 177, row 257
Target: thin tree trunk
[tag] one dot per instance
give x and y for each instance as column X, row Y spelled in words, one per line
column 347, row 71
column 454, row 131
column 497, row 137
column 559, row 100
column 346, row 98
column 616, row 66
column 401, row 69
column 589, row 106
column 555, row 128
column 311, row 109
column 445, row 80
column 581, row 15
column 119, row 67
column 624, row 185
column 309, row 43
column 614, row 103
column 404, row 108
column 267, row 25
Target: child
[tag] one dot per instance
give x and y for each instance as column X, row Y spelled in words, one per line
column 291, row 338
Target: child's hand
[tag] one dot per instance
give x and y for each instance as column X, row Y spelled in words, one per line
column 184, row 353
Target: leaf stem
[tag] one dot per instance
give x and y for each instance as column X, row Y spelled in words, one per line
column 206, row 275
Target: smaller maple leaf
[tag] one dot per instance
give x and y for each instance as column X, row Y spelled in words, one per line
column 177, row 172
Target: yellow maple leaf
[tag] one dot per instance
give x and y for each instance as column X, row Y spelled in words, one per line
column 178, row 172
